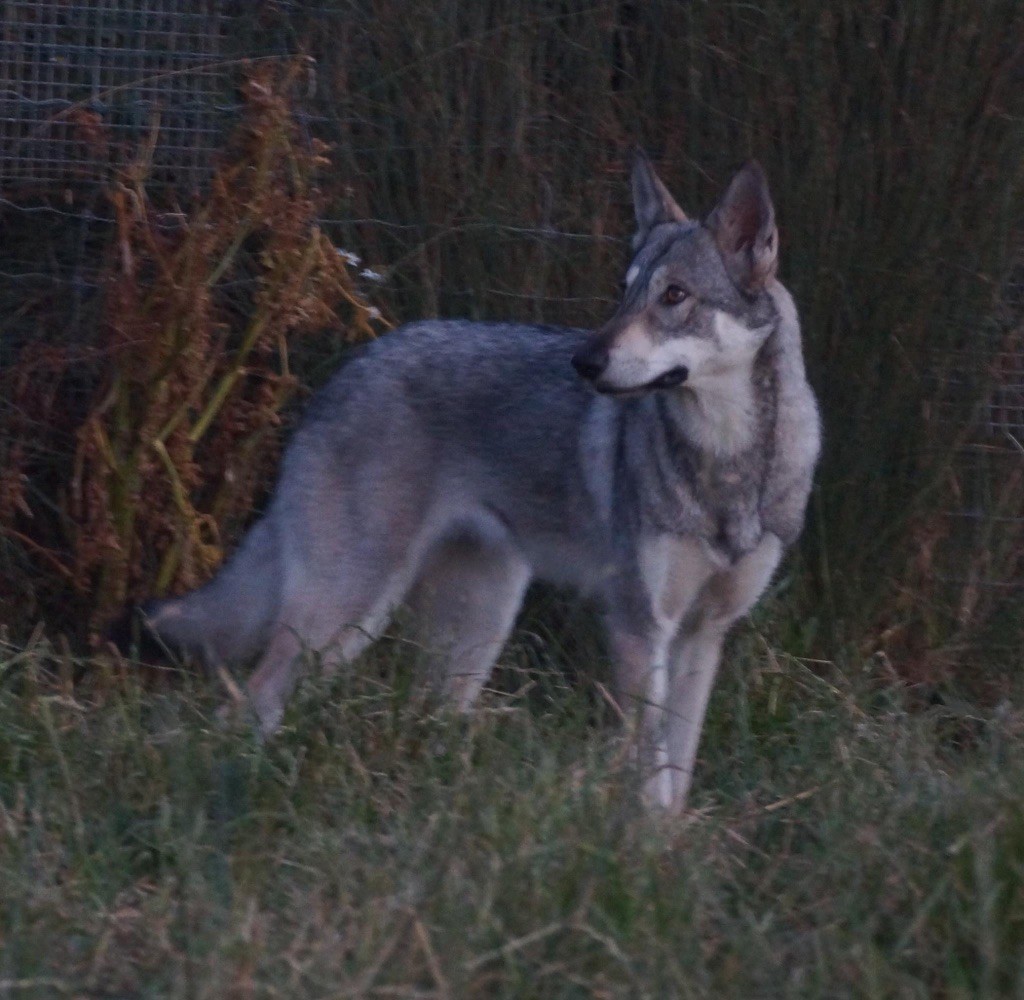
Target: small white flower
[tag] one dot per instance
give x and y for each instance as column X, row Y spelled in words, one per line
column 350, row 258
column 372, row 312
column 370, row 275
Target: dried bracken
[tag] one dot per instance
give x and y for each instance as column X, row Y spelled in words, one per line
column 200, row 310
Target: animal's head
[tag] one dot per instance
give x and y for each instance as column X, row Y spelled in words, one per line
column 694, row 302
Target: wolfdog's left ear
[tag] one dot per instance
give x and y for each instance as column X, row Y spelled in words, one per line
column 743, row 224
column 651, row 200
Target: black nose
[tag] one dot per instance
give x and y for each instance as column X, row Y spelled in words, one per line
column 590, row 362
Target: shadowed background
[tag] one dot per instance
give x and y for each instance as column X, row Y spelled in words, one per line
column 479, row 162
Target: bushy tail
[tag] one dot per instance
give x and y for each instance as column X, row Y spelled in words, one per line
column 230, row 618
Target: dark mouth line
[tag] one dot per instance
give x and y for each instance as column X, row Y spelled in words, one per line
column 671, row 379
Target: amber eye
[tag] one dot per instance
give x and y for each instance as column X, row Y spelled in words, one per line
column 673, row 295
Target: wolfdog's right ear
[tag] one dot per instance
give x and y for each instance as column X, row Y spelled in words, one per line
column 743, row 224
column 651, row 200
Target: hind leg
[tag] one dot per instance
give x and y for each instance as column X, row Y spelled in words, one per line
column 464, row 605
column 228, row 620
column 334, row 607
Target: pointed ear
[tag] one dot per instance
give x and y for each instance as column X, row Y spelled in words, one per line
column 651, row 200
column 743, row 224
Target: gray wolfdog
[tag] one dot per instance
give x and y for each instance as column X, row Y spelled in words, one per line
column 660, row 465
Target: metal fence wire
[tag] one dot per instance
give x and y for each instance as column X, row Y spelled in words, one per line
column 84, row 86
column 1005, row 412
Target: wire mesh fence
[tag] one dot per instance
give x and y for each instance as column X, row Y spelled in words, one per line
column 1004, row 416
column 84, row 85
column 478, row 157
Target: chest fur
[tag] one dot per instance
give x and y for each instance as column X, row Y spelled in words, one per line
column 705, row 493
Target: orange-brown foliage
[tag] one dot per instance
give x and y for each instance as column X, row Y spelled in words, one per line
column 200, row 309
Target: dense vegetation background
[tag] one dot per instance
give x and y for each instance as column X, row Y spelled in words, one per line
column 488, row 146
column 478, row 159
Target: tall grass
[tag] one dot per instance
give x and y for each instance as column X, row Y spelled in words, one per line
column 485, row 148
column 839, row 844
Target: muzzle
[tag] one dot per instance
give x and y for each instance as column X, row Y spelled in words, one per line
column 591, row 360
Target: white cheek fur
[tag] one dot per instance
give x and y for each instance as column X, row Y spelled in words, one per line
column 738, row 342
column 732, row 348
column 627, row 368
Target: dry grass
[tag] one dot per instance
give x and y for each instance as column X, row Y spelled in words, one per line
column 838, row 845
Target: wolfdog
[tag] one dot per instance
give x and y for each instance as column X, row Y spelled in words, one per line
column 660, row 465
